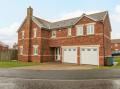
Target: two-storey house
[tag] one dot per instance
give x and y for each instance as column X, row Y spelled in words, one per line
column 115, row 46
column 81, row 40
column 3, row 46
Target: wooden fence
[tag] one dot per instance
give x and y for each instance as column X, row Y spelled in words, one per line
column 8, row 55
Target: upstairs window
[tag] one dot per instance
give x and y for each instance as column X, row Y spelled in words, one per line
column 53, row 34
column 90, row 29
column 35, row 49
column 21, row 50
column 69, row 32
column 35, row 32
column 23, row 34
column 79, row 31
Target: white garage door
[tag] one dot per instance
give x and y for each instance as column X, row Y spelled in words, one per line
column 70, row 55
column 89, row 55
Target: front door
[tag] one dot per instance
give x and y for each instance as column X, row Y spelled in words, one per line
column 57, row 54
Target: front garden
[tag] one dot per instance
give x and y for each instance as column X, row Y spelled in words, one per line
column 12, row 64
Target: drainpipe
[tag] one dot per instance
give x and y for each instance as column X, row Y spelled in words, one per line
column 103, row 40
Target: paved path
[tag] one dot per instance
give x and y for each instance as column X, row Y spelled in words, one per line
column 58, row 66
column 61, row 74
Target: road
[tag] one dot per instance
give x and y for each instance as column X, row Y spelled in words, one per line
column 61, row 74
column 84, row 79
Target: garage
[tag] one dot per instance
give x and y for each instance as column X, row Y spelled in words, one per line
column 70, row 55
column 89, row 55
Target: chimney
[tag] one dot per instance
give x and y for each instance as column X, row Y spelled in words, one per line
column 29, row 12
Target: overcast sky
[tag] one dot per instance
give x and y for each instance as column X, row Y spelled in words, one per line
column 13, row 12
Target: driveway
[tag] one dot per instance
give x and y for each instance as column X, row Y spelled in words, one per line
column 57, row 66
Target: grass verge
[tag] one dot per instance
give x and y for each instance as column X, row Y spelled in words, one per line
column 10, row 64
column 117, row 60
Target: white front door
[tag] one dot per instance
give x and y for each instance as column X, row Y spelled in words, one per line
column 57, row 54
column 70, row 55
column 89, row 55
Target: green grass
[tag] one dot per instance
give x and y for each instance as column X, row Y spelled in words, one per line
column 10, row 64
column 116, row 59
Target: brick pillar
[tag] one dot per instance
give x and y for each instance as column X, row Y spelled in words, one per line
column 61, row 56
column 78, row 55
column 101, row 60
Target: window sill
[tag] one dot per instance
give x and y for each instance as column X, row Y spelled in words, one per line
column 34, row 37
column 69, row 36
column 35, row 54
column 80, row 35
column 90, row 34
column 53, row 37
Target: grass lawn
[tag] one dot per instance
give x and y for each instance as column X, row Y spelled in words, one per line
column 10, row 64
column 116, row 59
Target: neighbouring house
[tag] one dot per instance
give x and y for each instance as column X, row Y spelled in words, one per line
column 3, row 46
column 81, row 40
column 15, row 46
column 115, row 46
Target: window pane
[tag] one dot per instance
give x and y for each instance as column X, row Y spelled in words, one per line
column 53, row 33
column 35, row 32
column 69, row 31
column 79, row 30
column 35, row 50
column 83, row 49
column 23, row 34
column 74, row 49
column 90, row 29
column 88, row 49
column 94, row 49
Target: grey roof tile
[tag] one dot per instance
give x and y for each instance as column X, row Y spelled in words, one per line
column 115, row 40
column 66, row 23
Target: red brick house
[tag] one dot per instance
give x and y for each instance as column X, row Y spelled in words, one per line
column 3, row 47
column 115, row 46
column 81, row 40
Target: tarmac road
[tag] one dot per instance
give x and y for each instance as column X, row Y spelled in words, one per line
column 84, row 79
column 61, row 74
column 19, row 83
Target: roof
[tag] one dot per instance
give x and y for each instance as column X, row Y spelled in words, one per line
column 42, row 22
column 66, row 23
column 3, row 44
column 115, row 41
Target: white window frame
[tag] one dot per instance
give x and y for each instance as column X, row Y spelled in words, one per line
column 79, row 30
column 91, row 29
column 53, row 34
column 21, row 50
column 35, row 32
column 23, row 34
column 35, row 49
column 69, row 32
